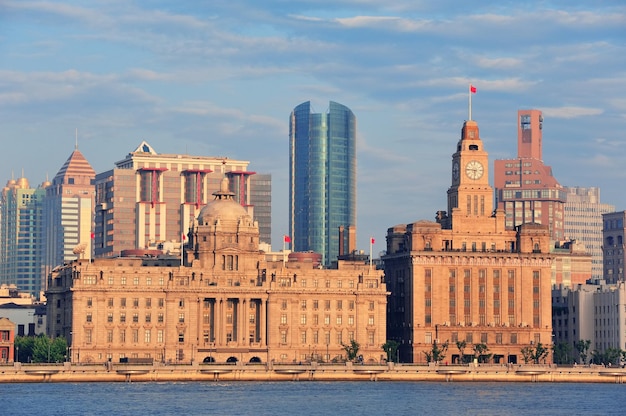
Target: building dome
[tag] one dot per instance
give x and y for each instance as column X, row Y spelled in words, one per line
column 223, row 207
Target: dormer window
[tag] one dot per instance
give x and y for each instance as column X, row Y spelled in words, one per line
column 473, row 147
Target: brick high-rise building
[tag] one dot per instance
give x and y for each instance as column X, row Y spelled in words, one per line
column 525, row 188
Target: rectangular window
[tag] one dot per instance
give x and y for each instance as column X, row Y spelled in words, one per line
column 110, row 317
column 122, row 317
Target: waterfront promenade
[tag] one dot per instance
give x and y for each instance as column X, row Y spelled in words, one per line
column 68, row 372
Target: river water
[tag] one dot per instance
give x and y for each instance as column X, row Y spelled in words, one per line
column 312, row 398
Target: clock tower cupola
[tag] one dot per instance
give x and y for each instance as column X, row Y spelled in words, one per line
column 470, row 194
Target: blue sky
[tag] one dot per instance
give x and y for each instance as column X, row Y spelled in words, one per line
column 219, row 78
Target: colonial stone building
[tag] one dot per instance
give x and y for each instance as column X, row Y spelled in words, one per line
column 223, row 302
column 467, row 277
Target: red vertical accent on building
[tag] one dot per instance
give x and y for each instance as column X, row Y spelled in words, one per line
column 198, row 188
column 242, row 184
column 154, row 188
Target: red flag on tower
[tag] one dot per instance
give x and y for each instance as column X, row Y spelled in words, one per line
column 473, row 89
column 372, row 240
column 287, row 239
column 183, row 237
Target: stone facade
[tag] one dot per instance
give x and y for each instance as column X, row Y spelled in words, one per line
column 467, row 277
column 225, row 303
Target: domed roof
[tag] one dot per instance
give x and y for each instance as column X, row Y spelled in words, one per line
column 223, row 207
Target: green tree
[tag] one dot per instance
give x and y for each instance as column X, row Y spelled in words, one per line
column 391, row 348
column 46, row 350
column 480, row 352
column 352, row 350
column 461, row 346
column 582, row 346
column 24, row 348
column 562, row 353
column 437, row 352
column 535, row 355
column 609, row 356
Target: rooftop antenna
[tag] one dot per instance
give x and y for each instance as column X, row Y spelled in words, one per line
column 76, row 134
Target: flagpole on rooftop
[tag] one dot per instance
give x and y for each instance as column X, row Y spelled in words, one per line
column 470, row 101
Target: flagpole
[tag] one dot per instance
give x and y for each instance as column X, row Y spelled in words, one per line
column 371, row 243
column 469, row 90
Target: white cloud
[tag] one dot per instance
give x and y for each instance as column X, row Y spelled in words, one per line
column 570, row 112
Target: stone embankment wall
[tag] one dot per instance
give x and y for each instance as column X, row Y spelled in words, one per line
column 108, row 372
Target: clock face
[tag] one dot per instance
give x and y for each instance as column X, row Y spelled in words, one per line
column 455, row 170
column 474, row 169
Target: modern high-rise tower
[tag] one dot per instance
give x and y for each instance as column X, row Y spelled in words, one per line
column 21, row 229
column 68, row 213
column 583, row 222
column 322, row 178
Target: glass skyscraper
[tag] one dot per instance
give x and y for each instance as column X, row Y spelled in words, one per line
column 322, row 178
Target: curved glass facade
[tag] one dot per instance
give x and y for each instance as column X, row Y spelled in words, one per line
column 322, row 177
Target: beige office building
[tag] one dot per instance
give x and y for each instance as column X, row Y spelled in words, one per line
column 467, row 277
column 226, row 303
column 150, row 199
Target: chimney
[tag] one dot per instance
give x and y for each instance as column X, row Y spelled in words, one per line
column 351, row 238
column 341, row 241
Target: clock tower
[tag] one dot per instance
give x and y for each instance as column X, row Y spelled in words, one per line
column 470, row 197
